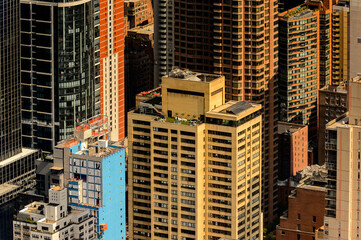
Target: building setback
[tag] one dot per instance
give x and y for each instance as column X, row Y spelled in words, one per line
column 93, row 169
column 343, row 160
column 194, row 162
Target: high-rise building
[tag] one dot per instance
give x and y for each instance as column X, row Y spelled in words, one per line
column 53, row 220
column 304, row 62
column 237, row 39
column 340, row 56
column 332, row 103
column 138, row 13
column 194, row 162
column 139, row 62
column 93, row 169
column 293, row 149
column 343, row 160
column 17, row 164
column 57, row 70
column 110, row 40
column 163, row 38
column 354, row 39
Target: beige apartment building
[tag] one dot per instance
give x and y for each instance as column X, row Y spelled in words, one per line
column 194, row 162
column 343, row 160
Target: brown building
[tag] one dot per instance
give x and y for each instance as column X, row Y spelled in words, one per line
column 139, row 71
column 340, row 42
column 237, row 39
column 137, row 13
column 304, row 61
column 293, row 148
column 306, row 210
column 332, row 104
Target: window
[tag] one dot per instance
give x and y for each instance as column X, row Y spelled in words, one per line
column 298, row 216
column 314, row 218
column 298, row 227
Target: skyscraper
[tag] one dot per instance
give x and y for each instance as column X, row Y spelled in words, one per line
column 109, row 60
column 238, row 39
column 195, row 168
column 343, row 160
column 304, row 62
column 340, row 55
column 17, row 164
column 57, row 70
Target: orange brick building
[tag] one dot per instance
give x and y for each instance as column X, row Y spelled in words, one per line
column 293, row 148
column 112, row 65
column 138, row 13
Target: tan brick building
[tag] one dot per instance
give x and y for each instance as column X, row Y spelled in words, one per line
column 194, row 162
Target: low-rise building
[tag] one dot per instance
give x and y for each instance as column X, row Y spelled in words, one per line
column 306, row 210
column 53, row 220
column 93, row 169
column 293, row 147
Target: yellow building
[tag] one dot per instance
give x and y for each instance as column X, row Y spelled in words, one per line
column 343, row 160
column 340, row 42
column 194, row 162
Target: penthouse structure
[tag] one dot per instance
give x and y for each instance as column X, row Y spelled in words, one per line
column 53, row 220
column 194, row 162
column 343, row 160
column 93, row 169
column 304, row 61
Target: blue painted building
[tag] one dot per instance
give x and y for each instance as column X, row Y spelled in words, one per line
column 95, row 176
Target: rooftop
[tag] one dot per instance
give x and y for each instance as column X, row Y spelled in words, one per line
column 186, row 74
column 234, row 108
column 284, row 127
column 24, row 152
column 6, row 188
column 297, row 12
column 332, row 88
column 145, row 30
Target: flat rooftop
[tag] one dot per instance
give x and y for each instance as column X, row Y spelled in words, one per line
column 145, row 30
column 288, row 127
column 297, row 12
column 332, row 88
column 6, row 188
column 235, row 108
column 186, row 74
column 24, row 153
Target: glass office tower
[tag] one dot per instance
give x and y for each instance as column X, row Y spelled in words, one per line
column 57, row 70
